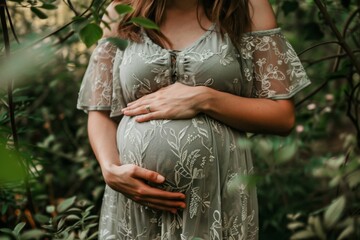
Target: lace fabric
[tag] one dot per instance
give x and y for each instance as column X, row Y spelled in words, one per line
column 272, row 65
column 100, row 88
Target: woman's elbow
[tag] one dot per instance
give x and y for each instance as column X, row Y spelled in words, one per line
column 287, row 126
column 287, row 122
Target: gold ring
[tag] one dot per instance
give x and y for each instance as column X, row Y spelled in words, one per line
column 148, row 108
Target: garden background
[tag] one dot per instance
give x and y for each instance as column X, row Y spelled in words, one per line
column 50, row 183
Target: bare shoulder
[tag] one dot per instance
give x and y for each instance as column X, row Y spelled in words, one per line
column 111, row 17
column 262, row 15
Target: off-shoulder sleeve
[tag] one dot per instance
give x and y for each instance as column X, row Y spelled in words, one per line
column 272, row 65
column 100, row 88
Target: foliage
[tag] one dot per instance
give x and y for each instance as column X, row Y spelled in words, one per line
column 51, row 185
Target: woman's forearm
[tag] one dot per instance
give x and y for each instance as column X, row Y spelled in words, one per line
column 248, row 114
column 102, row 136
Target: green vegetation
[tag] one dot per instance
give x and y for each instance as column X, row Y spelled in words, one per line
column 51, row 186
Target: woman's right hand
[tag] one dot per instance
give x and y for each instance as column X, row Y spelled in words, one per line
column 130, row 179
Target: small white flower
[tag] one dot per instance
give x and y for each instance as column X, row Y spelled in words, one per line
column 311, row 106
column 299, row 128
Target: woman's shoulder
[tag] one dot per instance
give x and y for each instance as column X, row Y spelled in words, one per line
column 262, row 16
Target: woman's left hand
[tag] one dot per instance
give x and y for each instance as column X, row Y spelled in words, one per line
column 177, row 101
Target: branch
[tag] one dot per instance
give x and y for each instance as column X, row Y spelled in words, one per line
column 71, row 6
column 347, row 25
column 338, row 35
column 328, row 58
column 298, row 104
column 352, row 117
column 12, row 26
column 317, row 45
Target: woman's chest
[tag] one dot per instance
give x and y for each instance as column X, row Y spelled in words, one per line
column 212, row 61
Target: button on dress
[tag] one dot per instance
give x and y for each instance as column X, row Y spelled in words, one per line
column 201, row 157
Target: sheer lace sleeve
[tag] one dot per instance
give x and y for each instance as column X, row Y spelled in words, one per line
column 100, row 88
column 272, row 64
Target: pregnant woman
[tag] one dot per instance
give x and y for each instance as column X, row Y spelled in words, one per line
column 167, row 115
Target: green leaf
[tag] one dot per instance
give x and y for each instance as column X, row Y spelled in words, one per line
column 40, row 14
column 318, row 228
column 50, row 209
column 305, row 234
column 144, row 22
column 118, row 42
column 61, row 224
column 49, row 6
column 72, row 217
column 41, row 218
column 19, row 227
column 83, row 234
column 4, row 208
column 286, row 153
column 334, row 212
column 295, row 225
column 7, row 231
column 353, row 179
column 67, row 203
column 11, row 169
column 33, row 234
column 90, row 34
column 93, row 236
column 348, row 231
column 123, row 9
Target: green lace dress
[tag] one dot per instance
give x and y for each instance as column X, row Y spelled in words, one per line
column 200, row 157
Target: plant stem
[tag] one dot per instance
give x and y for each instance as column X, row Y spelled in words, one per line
column 338, row 35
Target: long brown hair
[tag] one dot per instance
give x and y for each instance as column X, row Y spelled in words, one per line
column 231, row 16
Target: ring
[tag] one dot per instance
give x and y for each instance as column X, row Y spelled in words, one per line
column 148, row 108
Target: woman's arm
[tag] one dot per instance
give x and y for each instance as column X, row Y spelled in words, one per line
column 248, row 114
column 128, row 179
column 179, row 101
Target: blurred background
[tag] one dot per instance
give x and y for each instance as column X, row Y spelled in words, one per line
column 50, row 183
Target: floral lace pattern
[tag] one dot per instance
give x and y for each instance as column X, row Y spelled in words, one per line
column 200, row 157
column 274, row 66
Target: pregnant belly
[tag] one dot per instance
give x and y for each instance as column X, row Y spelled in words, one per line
column 180, row 150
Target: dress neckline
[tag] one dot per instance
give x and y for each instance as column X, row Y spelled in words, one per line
column 191, row 45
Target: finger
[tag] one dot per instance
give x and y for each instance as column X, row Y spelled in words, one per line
column 140, row 105
column 141, row 100
column 150, row 116
column 161, row 208
column 148, row 175
column 158, row 207
column 143, row 109
column 148, row 192
column 176, row 204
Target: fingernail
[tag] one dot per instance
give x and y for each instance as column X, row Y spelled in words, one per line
column 160, row 178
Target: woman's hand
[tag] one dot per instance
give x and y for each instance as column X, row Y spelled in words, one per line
column 177, row 101
column 130, row 180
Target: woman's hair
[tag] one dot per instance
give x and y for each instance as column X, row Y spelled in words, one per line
column 232, row 17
